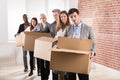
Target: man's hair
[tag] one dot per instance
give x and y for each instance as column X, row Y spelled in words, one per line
column 24, row 15
column 72, row 10
column 56, row 10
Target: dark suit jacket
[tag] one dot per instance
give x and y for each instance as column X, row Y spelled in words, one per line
column 52, row 29
column 21, row 29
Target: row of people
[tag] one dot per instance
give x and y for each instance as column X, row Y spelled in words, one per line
column 22, row 27
column 60, row 27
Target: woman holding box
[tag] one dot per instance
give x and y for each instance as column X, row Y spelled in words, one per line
column 43, row 66
column 61, row 26
column 34, row 22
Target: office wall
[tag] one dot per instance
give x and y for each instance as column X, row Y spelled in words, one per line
column 3, row 22
column 15, row 10
column 35, row 7
column 11, row 12
column 10, row 17
column 7, row 51
column 104, row 17
column 60, row 4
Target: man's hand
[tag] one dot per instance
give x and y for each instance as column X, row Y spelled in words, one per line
column 92, row 54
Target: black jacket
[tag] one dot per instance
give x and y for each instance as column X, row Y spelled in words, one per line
column 21, row 29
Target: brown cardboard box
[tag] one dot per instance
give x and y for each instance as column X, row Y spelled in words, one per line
column 20, row 39
column 74, row 43
column 42, row 47
column 72, row 55
column 30, row 39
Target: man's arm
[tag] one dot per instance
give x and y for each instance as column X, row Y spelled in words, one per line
column 19, row 30
column 91, row 36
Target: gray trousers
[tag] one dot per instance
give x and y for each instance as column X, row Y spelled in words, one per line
column 25, row 58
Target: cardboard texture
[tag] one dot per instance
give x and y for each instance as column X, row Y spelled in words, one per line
column 20, row 40
column 72, row 55
column 70, row 51
column 70, row 62
column 42, row 47
column 74, row 44
column 30, row 39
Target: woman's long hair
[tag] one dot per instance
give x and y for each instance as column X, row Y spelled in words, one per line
column 60, row 24
column 31, row 26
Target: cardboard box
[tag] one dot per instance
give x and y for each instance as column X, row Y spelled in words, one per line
column 74, row 43
column 30, row 39
column 72, row 55
column 20, row 40
column 43, row 47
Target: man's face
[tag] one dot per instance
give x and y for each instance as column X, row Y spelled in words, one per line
column 75, row 18
column 25, row 18
column 56, row 15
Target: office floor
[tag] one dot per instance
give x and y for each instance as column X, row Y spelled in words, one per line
column 98, row 72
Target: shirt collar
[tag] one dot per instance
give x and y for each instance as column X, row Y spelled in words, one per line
column 79, row 25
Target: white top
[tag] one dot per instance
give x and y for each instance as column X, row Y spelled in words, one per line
column 27, row 29
column 60, row 33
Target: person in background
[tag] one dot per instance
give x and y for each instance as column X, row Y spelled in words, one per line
column 61, row 26
column 52, row 29
column 22, row 27
column 43, row 26
column 81, row 31
column 43, row 66
column 33, row 24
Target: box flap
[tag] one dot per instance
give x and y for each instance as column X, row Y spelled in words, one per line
column 74, row 43
column 30, row 39
column 43, row 47
column 49, row 39
column 70, row 51
column 37, row 34
column 20, row 39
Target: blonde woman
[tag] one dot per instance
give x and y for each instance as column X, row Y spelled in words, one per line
column 43, row 26
column 43, row 66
